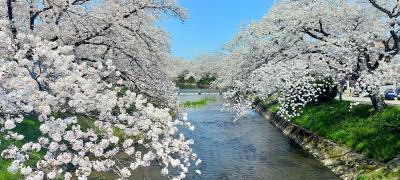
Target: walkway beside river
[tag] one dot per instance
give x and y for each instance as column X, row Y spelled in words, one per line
column 367, row 100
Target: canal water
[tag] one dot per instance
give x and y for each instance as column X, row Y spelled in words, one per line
column 249, row 148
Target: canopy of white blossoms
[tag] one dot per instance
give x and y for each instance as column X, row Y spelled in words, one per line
column 302, row 49
column 41, row 78
column 206, row 65
column 125, row 32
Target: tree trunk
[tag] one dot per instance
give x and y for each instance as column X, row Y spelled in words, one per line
column 10, row 15
column 378, row 102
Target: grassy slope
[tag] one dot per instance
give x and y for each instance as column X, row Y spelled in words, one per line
column 376, row 135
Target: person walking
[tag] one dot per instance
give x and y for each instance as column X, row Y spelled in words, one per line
column 340, row 88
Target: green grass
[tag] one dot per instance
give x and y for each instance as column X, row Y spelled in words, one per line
column 86, row 123
column 380, row 173
column 195, row 104
column 274, row 108
column 120, row 134
column 4, row 174
column 377, row 135
column 269, row 103
column 29, row 127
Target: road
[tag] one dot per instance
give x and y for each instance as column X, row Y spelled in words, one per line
column 367, row 100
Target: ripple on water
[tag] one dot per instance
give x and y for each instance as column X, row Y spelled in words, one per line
column 251, row 148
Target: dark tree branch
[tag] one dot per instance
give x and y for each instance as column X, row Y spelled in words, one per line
column 322, row 30
column 79, row 2
column 94, row 35
column 376, row 5
column 308, row 32
column 396, row 42
column 33, row 16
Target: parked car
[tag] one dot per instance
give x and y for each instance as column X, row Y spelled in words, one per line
column 398, row 92
column 390, row 94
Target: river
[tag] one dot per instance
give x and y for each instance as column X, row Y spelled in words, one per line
column 250, row 148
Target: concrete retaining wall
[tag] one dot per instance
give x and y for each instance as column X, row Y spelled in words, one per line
column 341, row 160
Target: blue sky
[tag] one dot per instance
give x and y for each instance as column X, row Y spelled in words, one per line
column 211, row 24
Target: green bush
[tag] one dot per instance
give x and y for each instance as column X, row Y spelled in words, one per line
column 191, row 83
column 206, row 81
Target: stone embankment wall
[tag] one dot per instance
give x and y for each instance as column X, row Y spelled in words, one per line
column 341, row 160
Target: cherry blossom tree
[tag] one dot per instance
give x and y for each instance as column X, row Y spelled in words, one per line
column 179, row 67
column 206, row 66
column 301, row 46
column 122, row 31
column 66, row 60
column 41, row 78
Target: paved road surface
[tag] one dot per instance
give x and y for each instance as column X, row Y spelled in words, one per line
column 367, row 100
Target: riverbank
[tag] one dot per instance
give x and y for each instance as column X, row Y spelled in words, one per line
column 359, row 144
column 195, row 104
